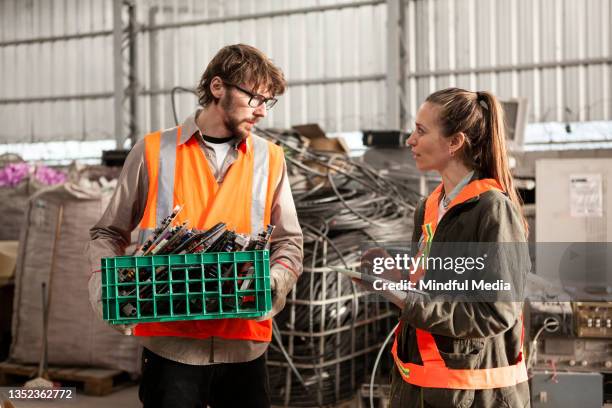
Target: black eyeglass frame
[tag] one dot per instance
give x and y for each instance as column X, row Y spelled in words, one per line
column 259, row 99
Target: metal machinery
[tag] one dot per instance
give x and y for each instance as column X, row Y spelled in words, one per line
column 570, row 322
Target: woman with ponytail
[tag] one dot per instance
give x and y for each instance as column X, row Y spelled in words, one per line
column 468, row 353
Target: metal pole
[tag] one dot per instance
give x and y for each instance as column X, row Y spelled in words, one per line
column 154, row 122
column 393, row 64
column 119, row 90
column 132, row 75
column 403, row 68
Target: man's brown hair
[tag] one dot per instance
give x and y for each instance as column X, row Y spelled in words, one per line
column 241, row 64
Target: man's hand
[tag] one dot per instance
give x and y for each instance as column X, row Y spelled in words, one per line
column 368, row 263
column 281, row 283
column 95, row 298
column 126, row 329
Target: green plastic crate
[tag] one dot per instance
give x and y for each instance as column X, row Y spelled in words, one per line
column 190, row 290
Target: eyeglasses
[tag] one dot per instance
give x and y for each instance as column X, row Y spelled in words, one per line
column 256, row 99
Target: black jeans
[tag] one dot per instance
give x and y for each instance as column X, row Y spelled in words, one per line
column 168, row 384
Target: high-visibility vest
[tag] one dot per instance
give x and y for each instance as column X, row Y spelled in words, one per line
column 434, row 373
column 180, row 174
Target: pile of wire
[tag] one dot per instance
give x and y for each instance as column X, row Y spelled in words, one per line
column 330, row 331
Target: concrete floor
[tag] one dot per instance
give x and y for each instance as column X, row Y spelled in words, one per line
column 125, row 398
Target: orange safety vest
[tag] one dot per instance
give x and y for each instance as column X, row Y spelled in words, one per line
column 434, row 373
column 180, row 174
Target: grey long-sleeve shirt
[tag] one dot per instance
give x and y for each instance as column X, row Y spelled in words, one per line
column 111, row 235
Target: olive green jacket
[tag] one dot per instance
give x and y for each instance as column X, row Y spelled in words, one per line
column 469, row 335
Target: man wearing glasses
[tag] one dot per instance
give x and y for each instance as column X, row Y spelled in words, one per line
column 220, row 172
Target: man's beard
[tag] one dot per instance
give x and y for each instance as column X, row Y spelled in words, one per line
column 233, row 124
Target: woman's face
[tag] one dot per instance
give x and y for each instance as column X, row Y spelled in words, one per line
column 430, row 149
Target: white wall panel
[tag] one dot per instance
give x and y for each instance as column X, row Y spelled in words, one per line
column 315, row 45
column 520, row 33
column 55, row 68
column 463, row 38
column 307, row 46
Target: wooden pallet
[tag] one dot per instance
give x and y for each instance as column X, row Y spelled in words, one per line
column 95, row 381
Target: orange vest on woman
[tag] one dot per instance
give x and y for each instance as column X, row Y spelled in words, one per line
column 434, row 373
column 180, row 174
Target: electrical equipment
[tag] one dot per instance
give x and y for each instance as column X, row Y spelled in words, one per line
column 178, row 239
column 157, row 234
column 262, row 240
column 112, row 158
column 569, row 336
column 574, row 226
column 593, row 319
column 515, row 115
column 561, row 214
column 385, row 138
column 566, row 390
column 573, row 354
column 554, row 318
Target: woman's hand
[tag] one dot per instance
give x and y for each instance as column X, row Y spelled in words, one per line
column 373, row 266
column 373, row 263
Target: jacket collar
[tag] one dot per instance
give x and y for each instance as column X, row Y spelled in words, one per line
column 469, row 193
column 476, row 176
column 450, row 196
column 189, row 129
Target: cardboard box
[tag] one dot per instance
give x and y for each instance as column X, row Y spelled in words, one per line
column 8, row 258
column 319, row 141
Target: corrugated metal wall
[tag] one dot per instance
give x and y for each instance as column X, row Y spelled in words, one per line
column 557, row 53
column 77, row 71
column 332, row 56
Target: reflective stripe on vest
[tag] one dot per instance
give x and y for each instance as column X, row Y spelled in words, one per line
column 261, row 165
column 165, row 179
column 434, row 373
column 165, row 176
